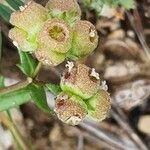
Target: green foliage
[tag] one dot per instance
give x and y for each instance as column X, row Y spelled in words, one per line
column 39, row 97
column 14, row 98
column 27, row 63
column 53, row 88
column 18, row 2
column 5, row 12
column 13, row 4
column 97, row 5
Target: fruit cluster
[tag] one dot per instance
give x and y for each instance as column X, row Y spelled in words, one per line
column 53, row 33
column 81, row 96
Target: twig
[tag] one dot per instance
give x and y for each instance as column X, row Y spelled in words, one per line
column 106, row 137
column 80, row 142
column 120, row 117
column 139, row 34
column 7, row 122
column 37, row 69
column 16, row 86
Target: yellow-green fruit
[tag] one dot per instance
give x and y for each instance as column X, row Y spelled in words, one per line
column 30, row 17
column 99, row 106
column 64, row 6
column 85, row 39
column 19, row 38
column 56, row 36
column 70, row 109
column 80, row 81
column 49, row 58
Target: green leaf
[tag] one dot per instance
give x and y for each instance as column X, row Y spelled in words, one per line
column 128, row 4
column 55, row 89
column 1, row 81
column 14, row 98
column 0, row 44
column 13, row 4
column 27, row 63
column 5, row 12
column 19, row 2
column 39, row 97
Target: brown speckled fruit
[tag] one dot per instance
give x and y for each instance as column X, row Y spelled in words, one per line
column 99, row 106
column 85, row 39
column 70, row 109
column 80, row 82
column 56, row 36
column 64, row 5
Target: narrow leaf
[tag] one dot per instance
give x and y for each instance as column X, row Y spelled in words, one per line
column 13, row 4
column 39, row 97
column 14, row 98
column 5, row 12
column 53, row 88
column 19, row 2
column 27, row 63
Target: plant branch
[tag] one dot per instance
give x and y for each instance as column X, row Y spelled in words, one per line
column 37, row 69
column 7, row 122
column 16, row 86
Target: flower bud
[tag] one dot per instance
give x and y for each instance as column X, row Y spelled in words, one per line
column 99, row 106
column 85, row 39
column 55, row 36
column 70, row 109
column 64, row 6
column 80, row 80
column 30, row 17
column 19, row 38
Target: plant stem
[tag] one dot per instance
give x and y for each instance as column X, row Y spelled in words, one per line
column 7, row 122
column 16, row 86
column 37, row 69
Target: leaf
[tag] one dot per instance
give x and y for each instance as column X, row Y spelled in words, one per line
column 19, row 2
column 128, row 4
column 14, row 98
column 27, row 63
column 55, row 89
column 13, row 4
column 39, row 97
column 5, row 12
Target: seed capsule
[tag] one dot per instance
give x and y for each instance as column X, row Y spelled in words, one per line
column 19, row 38
column 99, row 106
column 49, row 58
column 80, row 82
column 64, row 6
column 70, row 109
column 55, row 36
column 85, row 39
column 30, row 17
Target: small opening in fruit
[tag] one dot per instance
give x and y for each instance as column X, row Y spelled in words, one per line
column 67, row 75
column 60, row 103
column 57, row 33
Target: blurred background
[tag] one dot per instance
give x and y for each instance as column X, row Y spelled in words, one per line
column 122, row 58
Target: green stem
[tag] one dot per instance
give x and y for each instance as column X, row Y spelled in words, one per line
column 37, row 69
column 16, row 86
column 7, row 122
column 15, row 95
